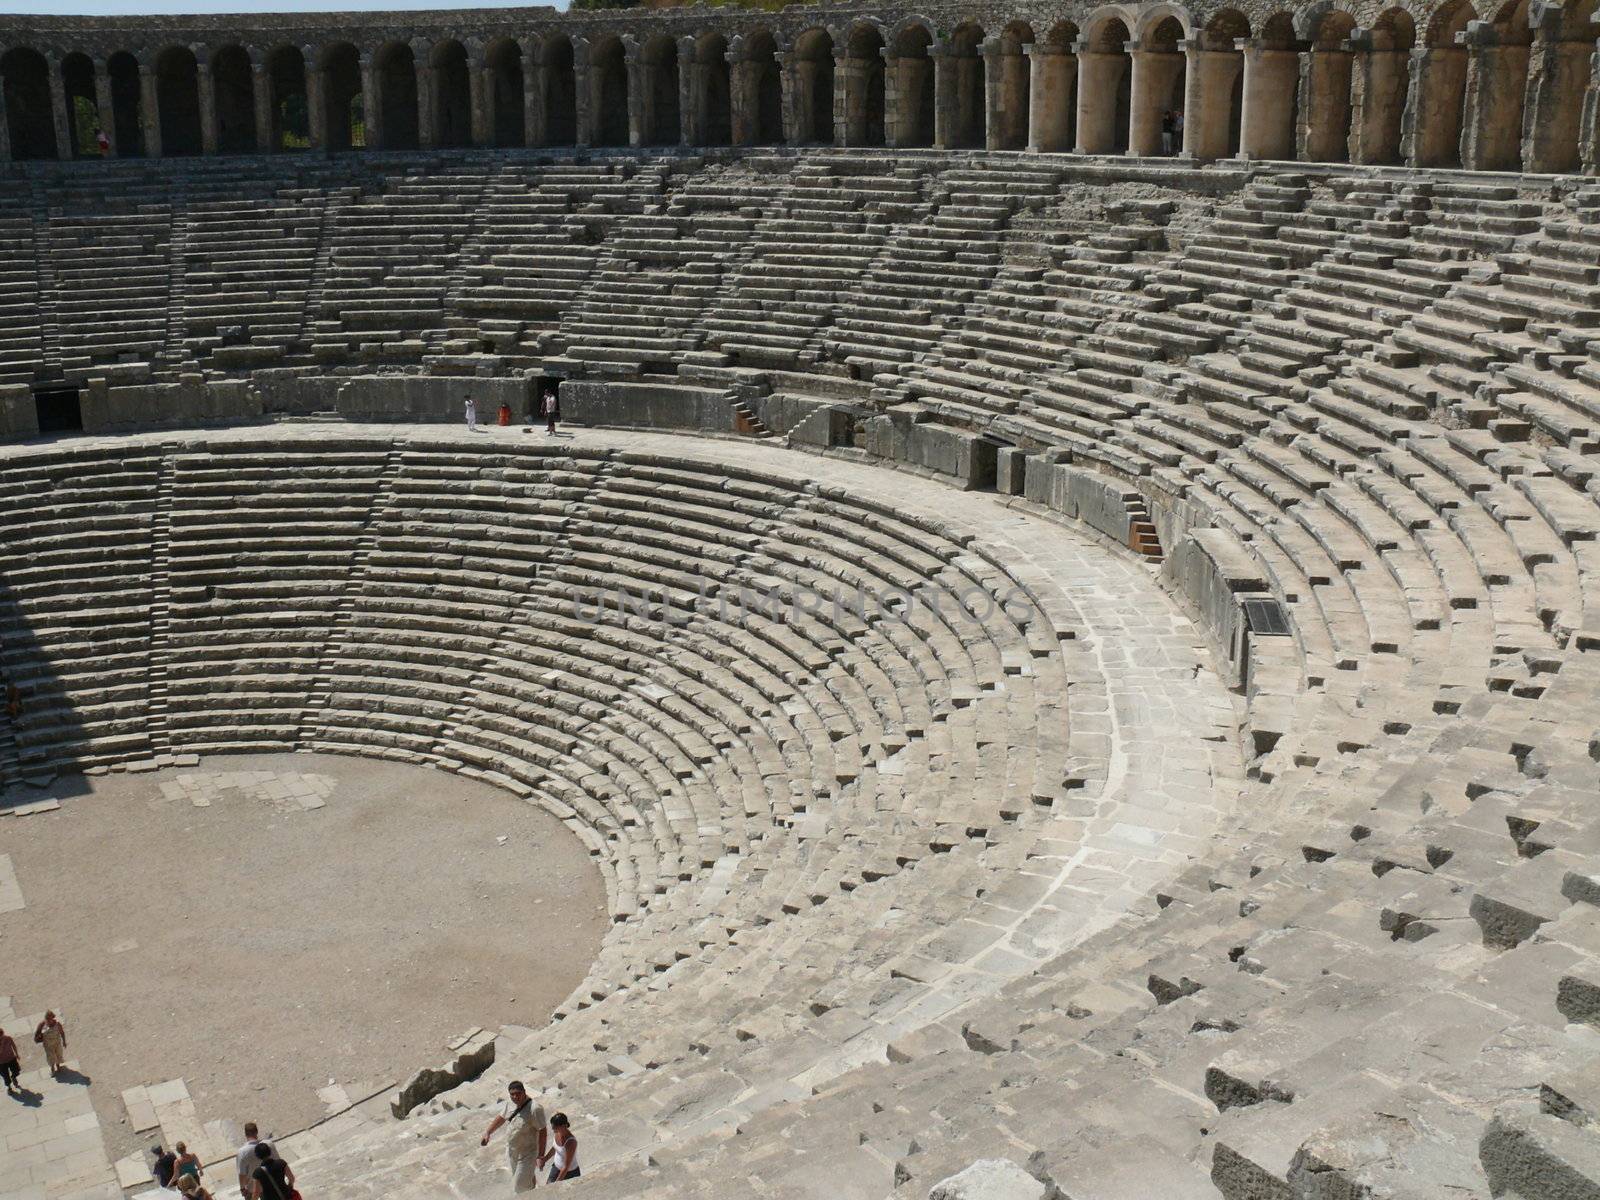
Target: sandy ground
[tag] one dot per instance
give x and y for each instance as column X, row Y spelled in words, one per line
column 259, row 950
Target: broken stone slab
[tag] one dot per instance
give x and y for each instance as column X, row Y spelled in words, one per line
column 474, row 1054
column 1528, row 1153
column 991, row 1179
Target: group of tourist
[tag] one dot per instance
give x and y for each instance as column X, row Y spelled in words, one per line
column 263, row 1175
column 532, row 1142
column 1171, row 131
column 549, row 409
column 49, row 1033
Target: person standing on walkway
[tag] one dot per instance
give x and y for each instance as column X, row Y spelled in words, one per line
column 564, row 1152
column 246, row 1159
column 164, row 1166
column 1169, row 127
column 52, row 1035
column 525, row 1140
column 472, row 414
column 10, row 1061
column 272, row 1179
column 186, row 1163
column 549, row 408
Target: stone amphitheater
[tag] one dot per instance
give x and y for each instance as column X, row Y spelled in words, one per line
column 1075, row 662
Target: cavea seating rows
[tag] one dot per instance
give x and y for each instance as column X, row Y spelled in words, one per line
column 1199, row 799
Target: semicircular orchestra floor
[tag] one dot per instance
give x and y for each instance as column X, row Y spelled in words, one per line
column 850, row 749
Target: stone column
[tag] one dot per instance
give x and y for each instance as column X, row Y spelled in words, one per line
column 1589, row 123
column 641, row 104
column 316, row 99
column 265, row 103
column 794, row 80
column 58, row 107
column 372, row 103
column 946, row 98
column 1430, row 128
column 5, row 129
column 1497, row 78
column 849, row 99
column 1208, row 101
column 150, row 102
column 584, row 84
column 1552, row 109
column 210, row 133
column 1270, row 79
column 744, row 100
column 994, row 102
column 1052, row 87
column 535, row 115
column 1322, row 129
column 1150, row 96
column 427, row 116
column 1099, row 76
column 691, row 95
column 481, row 86
column 1377, row 85
column 106, row 104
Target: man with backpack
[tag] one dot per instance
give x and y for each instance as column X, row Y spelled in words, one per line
column 525, row 1144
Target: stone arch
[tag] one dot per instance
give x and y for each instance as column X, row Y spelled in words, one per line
column 812, row 64
column 394, row 70
column 287, row 100
column 1431, row 131
column 507, row 109
column 711, row 85
column 660, row 124
column 608, row 76
column 966, row 104
column 1157, row 85
column 1325, row 111
column 344, row 117
column 127, row 110
column 1009, row 120
column 1104, row 86
column 760, row 82
column 83, row 107
column 864, row 86
column 178, row 101
column 1221, row 84
column 450, row 95
column 560, row 84
column 30, row 116
column 1164, row 17
column 913, row 105
column 1378, row 86
column 234, row 100
column 1559, row 69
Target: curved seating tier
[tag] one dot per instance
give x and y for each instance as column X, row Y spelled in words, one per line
column 1373, row 393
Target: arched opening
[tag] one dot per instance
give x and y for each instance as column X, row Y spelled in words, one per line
column 395, row 70
column 127, row 113
column 83, row 109
column 1011, row 119
column 1324, row 134
column 234, row 97
column 1213, row 129
column 660, row 123
column 1104, row 88
column 286, row 81
column 864, row 87
column 759, row 110
column 1432, row 129
column 178, row 101
column 344, row 115
column 610, row 80
column 914, row 87
column 508, row 114
column 967, row 125
column 713, row 96
column 1378, row 88
column 813, row 70
column 1559, row 66
column 1160, row 70
column 560, row 94
column 452, row 95
column 30, row 118
column 1497, row 84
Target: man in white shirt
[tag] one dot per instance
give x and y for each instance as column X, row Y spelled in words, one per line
column 247, row 1160
column 525, row 1140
